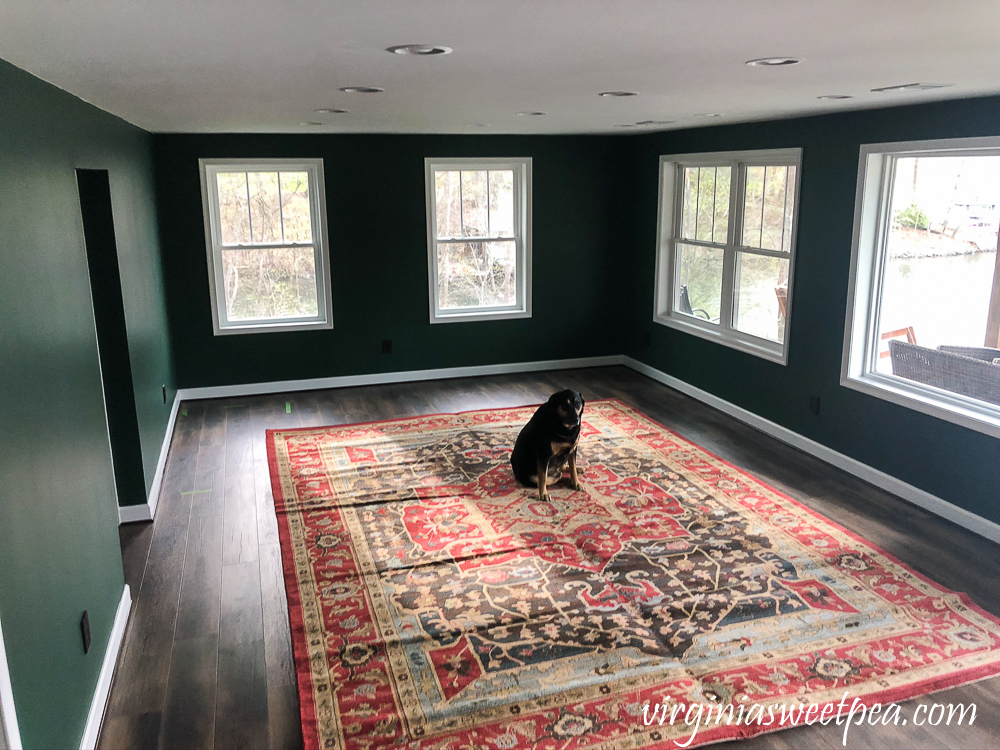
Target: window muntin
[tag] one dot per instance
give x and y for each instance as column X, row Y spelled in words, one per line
column 926, row 281
column 266, row 231
column 726, row 246
column 478, row 239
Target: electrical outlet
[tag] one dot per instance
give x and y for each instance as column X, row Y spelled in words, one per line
column 387, row 346
column 814, row 405
column 85, row 631
column 164, row 388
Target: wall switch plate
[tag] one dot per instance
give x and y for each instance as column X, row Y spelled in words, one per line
column 85, row 631
column 387, row 346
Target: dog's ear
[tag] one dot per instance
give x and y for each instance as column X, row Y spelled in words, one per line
column 582, row 400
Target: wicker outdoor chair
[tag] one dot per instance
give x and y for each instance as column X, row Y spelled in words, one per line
column 972, row 376
column 976, row 352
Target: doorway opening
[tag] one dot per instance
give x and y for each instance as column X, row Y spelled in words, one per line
column 112, row 337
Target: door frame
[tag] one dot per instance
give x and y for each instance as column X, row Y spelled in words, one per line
column 10, row 737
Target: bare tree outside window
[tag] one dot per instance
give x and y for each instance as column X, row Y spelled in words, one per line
column 476, row 242
column 267, row 255
column 267, row 208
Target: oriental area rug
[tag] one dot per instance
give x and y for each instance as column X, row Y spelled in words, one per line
column 435, row 603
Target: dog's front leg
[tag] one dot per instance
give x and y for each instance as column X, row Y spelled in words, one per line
column 573, row 478
column 543, row 478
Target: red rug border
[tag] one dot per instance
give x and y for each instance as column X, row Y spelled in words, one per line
column 307, row 706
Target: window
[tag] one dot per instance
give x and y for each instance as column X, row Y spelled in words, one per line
column 268, row 261
column 923, row 326
column 726, row 248
column 479, row 239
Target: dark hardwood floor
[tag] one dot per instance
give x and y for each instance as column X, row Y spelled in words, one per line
column 207, row 658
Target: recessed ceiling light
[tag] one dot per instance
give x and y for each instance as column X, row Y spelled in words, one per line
column 709, row 114
column 619, row 93
column 362, row 89
column 835, row 96
column 310, row 123
column 914, row 87
column 655, row 122
column 530, row 114
column 422, row 50
column 330, row 111
column 773, row 62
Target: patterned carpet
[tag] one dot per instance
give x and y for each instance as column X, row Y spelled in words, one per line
column 437, row 604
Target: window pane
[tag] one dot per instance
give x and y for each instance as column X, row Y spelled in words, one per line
column 786, row 237
column 699, row 281
column 705, row 209
column 706, row 204
column 753, row 201
column 502, row 203
column 233, row 212
column 475, row 203
column 265, row 216
column 761, row 291
column 263, row 284
column 941, row 257
column 723, row 178
column 690, row 208
column 295, row 206
column 768, row 207
column 447, row 203
column 477, row 274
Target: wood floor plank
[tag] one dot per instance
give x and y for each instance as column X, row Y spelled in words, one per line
column 241, row 717
column 189, row 710
column 282, row 689
column 135, row 539
column 201, row 588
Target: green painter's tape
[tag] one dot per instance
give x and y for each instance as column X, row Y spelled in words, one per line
column 195, row 492
column 288, row 407
column 184, row 412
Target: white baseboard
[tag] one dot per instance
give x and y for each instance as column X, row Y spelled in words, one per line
column 145, row 512
column 346, row 381
column 103, row 690
column 887, row 482
column 10, row 735
column 134, row 513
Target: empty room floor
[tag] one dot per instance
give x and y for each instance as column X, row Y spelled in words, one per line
column 207, row 659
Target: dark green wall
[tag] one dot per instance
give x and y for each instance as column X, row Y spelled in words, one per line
column 59, row 550
column 954, row 463
column 378, row 245
column 143, row 292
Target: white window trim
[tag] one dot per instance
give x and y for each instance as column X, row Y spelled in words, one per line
column 317, row 206
column 522, row 220
column 860, row 332
column 667, row 211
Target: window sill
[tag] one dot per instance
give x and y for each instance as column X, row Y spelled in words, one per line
column 310, row 325
column 774, row 353
column 470, row 317
column 935, row 402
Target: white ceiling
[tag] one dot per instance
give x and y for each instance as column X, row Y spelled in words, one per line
column 265, row 65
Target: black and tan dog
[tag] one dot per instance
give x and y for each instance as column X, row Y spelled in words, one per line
column 548, row 442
